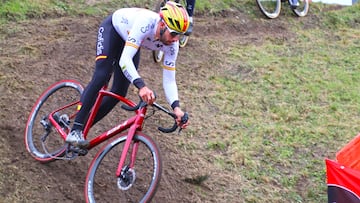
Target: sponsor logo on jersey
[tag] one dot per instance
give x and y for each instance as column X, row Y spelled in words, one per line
column 124, row 20
column 172, row 50
column 169, row 63
column 132, row 40
column 100, row 41
column 127, row 74
column 145, row 28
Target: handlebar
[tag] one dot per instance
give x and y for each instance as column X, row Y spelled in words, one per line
column 142, row 104
column 134, row 108
column 166, row 130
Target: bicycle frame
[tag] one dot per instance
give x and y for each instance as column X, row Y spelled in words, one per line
column 134, row 124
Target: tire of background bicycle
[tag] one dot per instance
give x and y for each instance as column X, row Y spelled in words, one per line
column 28, row 138
column 302, row 11
column 148, row 142
column 270, row 14
column 183, row 40
column 156, row 53
column 155, row 56
column 182, row 43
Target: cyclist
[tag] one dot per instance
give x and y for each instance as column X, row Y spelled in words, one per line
column 119, row 39
column 190, row 6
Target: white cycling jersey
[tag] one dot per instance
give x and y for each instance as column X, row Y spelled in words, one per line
column 137, row 27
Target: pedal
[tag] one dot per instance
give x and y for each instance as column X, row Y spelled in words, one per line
column 83, row 152
column 75, row 152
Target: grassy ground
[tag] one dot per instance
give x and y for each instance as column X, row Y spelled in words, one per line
column 298, row 102
column 280, row 107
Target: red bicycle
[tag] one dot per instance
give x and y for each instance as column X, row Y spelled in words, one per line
column 126, row 169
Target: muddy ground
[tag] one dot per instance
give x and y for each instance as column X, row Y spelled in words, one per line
column 36, row 53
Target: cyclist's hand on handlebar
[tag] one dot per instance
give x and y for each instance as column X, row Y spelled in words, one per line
column 147, row 95
column 182, row 119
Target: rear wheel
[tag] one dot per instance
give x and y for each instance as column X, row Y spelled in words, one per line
column 137, row 183
column 270, row 8
column 42, row 140
column 302, row 9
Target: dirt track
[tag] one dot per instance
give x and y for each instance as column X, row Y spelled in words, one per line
column 40, row 52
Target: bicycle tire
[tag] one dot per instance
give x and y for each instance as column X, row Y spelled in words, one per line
column 60, row 93
column 302, row 9
column 270, row 8
column 157, row 56
column 144, row 178
column 183, row 40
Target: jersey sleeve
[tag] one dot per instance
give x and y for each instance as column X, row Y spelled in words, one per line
column 169, row 73
column 135, row 37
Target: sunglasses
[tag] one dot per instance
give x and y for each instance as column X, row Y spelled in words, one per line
column 173, row 33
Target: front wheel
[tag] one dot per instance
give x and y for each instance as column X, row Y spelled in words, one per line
column 302, row 9
column 270, row 8
column 42, row 140
column 138, row 182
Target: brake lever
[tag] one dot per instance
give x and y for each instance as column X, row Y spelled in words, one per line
column 184, row 119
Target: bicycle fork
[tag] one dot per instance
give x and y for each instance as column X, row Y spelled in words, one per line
column 125, row 172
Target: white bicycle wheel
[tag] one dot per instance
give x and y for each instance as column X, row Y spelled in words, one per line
column 270, row 8
column 302, row 9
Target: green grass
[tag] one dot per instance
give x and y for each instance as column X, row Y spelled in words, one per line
column 17, row 10
column 296, row 102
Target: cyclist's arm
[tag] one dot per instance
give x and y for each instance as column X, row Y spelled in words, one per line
column 127, row 65
column 131, row 47
column 169, row 72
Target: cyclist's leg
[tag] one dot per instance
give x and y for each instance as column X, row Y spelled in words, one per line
column 107, row 50
column 294, row 3
column 120, row 86
column 190, row 6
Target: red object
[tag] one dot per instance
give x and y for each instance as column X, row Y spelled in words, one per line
column 343, row 183
column 349, row 155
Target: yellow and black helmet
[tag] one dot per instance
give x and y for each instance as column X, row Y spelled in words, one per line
column 175, row 17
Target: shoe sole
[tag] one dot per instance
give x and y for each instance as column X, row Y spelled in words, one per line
column 81, row 144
